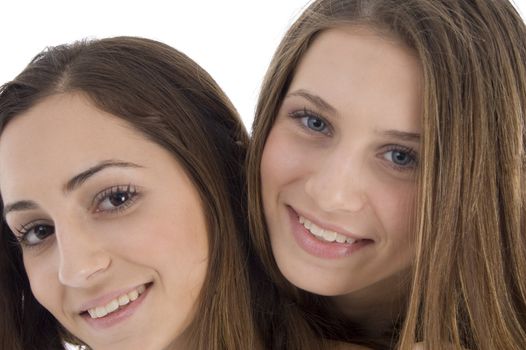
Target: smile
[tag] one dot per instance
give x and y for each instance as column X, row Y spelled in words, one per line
column 323, row 241
column 325, row 235
column 117, row 303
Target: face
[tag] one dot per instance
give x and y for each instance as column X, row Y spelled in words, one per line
column 113, row 234
column 339, row 165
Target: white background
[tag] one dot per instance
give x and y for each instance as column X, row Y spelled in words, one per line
column 232, row 39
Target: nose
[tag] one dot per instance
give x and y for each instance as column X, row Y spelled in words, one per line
column 338, row 183
column 82, row 258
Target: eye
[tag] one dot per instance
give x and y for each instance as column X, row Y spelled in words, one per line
column 34, row 233
column 401, row 158
column 115, row 199
column 311, row 121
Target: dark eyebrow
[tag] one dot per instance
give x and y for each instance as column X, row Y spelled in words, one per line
column 72, row 184
column 402, row 135
column 79, row 179
column 314, row 99
column 18, row 206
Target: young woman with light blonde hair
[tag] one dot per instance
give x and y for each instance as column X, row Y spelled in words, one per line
column 386, row 174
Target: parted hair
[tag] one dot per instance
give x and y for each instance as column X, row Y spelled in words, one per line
column 172, row 101
column 468, row 286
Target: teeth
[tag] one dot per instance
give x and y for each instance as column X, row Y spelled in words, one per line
column 133, row 295
column 326, row 235
column 125, row 299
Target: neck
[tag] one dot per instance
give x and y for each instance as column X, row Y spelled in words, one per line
column 379, row 307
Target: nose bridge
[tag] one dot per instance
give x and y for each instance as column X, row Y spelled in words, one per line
column 81, row 255
column 337, row 183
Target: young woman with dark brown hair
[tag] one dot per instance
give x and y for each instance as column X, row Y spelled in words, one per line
column 387, row 171
column 121, row 183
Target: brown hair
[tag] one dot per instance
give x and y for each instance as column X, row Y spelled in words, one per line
column 469, row 273
column 175, row 103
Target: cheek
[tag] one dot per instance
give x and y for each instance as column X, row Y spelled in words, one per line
column 283, row 160
column 43, row 279
column 396, row 209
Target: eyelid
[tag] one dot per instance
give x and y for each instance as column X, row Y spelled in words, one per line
column 409, row 150
column 298, row 115
column 21, row 233
column 103, row 195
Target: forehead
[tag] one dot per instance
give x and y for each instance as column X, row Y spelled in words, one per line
column 59, row 137
column 362, row 71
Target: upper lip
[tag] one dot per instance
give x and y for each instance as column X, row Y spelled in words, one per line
column 328, row 226
column 106, row 298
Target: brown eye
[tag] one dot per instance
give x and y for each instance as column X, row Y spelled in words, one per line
column 32, row 235
column 115, row 198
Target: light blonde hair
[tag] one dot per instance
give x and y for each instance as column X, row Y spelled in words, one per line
column 469, row 274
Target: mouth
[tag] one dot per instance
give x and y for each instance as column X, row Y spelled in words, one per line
column 324, row 242
column 323, row 234
column 117, row 304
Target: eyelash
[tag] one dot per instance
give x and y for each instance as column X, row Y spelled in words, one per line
column 130, row 191
column 411, row 153
column 299, row 115
column 306, row 113
column 105, row 194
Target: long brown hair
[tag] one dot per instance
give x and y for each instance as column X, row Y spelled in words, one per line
column 469, row 274
column 175, row 103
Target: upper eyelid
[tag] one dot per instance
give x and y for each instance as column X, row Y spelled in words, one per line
column 307, row 112
column 105, row 193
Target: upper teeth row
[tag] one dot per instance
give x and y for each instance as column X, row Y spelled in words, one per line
column 101, row 311
column 326, row 235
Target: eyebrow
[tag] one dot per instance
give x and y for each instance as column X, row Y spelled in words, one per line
column 314, row 99
column 72, row 184
column 402, row 135
column 326, row 106
column 79, row 179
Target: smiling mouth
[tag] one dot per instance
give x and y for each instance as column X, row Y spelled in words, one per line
column 117, row 304
column 325, row 235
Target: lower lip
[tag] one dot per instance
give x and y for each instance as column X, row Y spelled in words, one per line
column 118, row 316
column 314, row 246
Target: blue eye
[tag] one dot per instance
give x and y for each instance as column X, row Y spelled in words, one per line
column 311, row 121
column 314, row 123
column 34, row 234
column 401, row 158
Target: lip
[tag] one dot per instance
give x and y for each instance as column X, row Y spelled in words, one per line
column 106, row 298
column 119, row 315
column 319, row 248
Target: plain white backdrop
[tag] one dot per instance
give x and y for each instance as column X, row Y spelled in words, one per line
column 232, row 39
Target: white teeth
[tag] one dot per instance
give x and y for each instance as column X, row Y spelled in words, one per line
column 113, row 305
column 123, row 300
column 340, row 239
column 133, row 295
column 326, row 235
column 100, row 311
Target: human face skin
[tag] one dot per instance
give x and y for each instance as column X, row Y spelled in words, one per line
column 132, row 222
column 342, row 156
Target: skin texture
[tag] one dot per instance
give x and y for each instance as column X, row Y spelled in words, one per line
column 343, row 153
column 156, row 236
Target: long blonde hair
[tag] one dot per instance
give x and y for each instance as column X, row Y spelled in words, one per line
column 469, row 274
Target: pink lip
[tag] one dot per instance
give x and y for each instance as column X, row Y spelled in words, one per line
column 327, row 226
column 118, row 316
column 319, row 248
column 106, row 298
